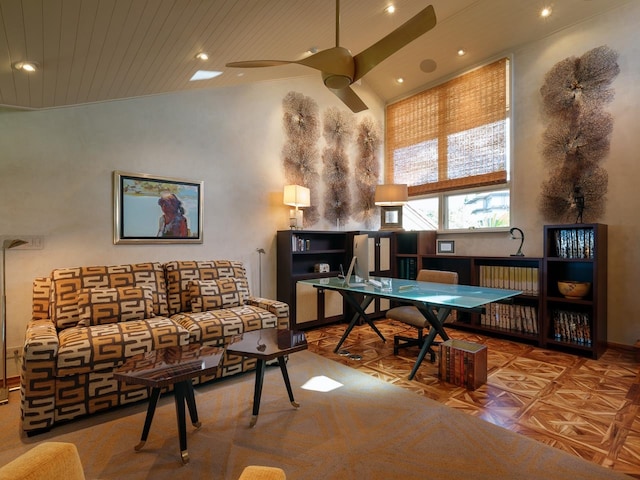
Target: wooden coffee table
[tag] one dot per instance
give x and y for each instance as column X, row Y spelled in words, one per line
column 171, row 366
column 265, row 345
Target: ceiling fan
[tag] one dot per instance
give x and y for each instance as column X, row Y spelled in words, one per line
column 340, row 69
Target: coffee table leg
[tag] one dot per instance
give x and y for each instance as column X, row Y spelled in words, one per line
column 287, row 383
column 151, row 409
column 257, row 392
column 179, row 396
column 191, row 403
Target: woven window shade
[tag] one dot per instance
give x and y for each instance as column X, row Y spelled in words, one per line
column 451, row 136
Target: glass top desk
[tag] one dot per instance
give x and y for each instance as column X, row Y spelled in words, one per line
column 434, row 300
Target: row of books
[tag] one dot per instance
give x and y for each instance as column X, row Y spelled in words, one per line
column 299, row 244
column 518, row 318
column 574, row 243
column 572, row 327
column 463, row 363
column 407, row 268
column 513, row 278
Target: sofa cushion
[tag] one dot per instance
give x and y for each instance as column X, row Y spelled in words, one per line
column 67, row 282
column 213, row 294
column 88, row 349
column 99, row 306
column 180, row 273
column 214, row 327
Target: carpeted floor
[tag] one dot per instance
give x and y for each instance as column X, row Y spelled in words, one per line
column 366, row 429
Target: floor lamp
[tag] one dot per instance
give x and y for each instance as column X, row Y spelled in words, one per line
column 4, row 391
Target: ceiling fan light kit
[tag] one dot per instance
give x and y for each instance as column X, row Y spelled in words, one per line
column 340, row 69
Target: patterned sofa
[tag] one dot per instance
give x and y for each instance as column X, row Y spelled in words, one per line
column 88, row 320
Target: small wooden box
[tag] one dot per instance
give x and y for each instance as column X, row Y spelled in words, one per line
column 463, row 363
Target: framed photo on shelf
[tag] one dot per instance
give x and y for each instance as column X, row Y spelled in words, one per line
column 151, row 209
column 446, row 247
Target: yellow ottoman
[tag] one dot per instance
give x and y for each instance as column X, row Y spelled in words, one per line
column 253, row 472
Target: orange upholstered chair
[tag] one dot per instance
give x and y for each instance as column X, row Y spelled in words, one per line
column 46, row 461
column 255, row 472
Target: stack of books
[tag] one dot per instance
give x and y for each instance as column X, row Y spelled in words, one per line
column 463, row 363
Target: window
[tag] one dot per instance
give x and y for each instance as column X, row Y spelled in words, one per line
column 450, row 143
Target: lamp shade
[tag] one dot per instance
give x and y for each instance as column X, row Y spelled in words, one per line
column 297, row 196
column 391, row 194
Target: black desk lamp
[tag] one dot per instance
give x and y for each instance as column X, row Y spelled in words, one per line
column 519, row 252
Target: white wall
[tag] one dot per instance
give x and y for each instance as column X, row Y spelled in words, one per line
column 56, row 168
column 530, row 64
column 56, row 178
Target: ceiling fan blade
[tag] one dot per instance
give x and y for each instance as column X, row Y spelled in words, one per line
column 258, row 63
column 401, row 36
column 349, row 98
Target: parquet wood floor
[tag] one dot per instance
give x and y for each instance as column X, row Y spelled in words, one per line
column 590, row 408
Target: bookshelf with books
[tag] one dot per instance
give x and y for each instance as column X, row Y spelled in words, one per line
column 576, row 252
column 304, row 254
column 520, row 318
column 408, row 248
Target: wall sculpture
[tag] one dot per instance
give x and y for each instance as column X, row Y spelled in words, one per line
column 300, row 153
column 577, row 137
column 337, row 131
column 367, row 172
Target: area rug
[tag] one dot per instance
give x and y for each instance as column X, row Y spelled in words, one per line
column 363, row 429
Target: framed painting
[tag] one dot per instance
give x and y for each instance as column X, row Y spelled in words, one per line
column 152, row 209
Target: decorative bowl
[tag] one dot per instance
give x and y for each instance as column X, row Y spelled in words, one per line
column 574, row 289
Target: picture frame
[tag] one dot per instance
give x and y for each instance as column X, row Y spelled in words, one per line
column 150, row 209
column 391, row 217
column 446, row 247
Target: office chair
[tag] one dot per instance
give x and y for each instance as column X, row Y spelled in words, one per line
column 411, row 315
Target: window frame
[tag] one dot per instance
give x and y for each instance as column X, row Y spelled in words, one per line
column 442, row 195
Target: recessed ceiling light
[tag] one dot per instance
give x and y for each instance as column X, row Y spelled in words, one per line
column 390, row 9
column 26, row 66
column 204, row 75
column 400, row 80
column 202, row 56
column 545, row 12
column 461, row 52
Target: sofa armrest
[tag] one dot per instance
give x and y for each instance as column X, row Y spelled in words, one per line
column 37, row 378
column 278, row 308
column 41, row 340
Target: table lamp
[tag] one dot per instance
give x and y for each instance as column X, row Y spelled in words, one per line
column 4, row 391
column 390, row 198
column 296, row 196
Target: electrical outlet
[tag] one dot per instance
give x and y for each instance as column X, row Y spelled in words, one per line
column 14, row 353
column 34, row 242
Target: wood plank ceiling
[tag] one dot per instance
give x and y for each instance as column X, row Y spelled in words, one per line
column 101, row 50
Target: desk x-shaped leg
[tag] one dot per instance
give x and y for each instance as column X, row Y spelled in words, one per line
column 360, row 313
column 436, row 320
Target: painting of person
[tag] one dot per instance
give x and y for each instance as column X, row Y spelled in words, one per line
column 173, row 222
